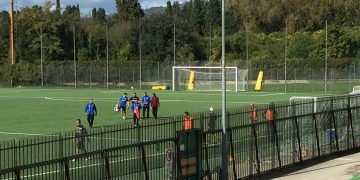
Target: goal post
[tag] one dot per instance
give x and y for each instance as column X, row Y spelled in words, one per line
column 309, row 104
column 207, row 78
column 356, row 90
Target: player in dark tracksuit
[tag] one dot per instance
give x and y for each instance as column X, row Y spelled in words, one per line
column 80, row 135
column 146, row 100
column 90, row 112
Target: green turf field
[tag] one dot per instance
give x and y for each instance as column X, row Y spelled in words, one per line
column 36, row 111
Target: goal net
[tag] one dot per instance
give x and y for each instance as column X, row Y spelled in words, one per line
column 356, row 90
column 299, row 106
column 303, row 105
column 201, row 78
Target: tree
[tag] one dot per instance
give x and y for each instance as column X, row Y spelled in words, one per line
column 4, row 34
column 197, row 16
column 38, row 22
column 128, row 10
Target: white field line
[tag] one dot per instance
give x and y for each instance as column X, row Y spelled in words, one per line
column 61, row 99
column 165, row 100
column 27, row 134
column 85, row 166
column 274, row 94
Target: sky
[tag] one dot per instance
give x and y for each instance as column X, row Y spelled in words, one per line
column 85, row 5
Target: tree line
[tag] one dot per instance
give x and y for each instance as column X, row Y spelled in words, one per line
column 265, row 32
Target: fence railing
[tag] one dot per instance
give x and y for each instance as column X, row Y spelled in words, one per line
column 301, row 130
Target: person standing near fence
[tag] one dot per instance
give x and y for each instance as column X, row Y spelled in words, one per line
column 155, row 104
column 253, row 115
column 187, row 121
column 124, row 103
column 90, row 112
column 146, row 100
column 80, row 137
column 135, row 107
column 212, row 119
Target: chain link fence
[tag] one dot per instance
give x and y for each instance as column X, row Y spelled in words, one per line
column 124, row 74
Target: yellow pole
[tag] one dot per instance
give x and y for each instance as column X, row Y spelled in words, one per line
column 191, row 80
column 258, row 86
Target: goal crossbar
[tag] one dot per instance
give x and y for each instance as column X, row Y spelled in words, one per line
column 235, row 70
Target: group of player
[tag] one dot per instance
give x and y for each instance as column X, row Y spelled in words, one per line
column 123, row 104
column 146, row 104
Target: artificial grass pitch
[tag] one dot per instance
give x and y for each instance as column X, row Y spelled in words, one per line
column 37, row 111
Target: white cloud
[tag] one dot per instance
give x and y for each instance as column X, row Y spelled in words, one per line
column 145, row 4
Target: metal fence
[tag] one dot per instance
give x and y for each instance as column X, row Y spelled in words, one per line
column 121, row 74
column 300, row 131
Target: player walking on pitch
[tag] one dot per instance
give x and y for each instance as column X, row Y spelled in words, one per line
column 155, row 104
column 146, row 100
column 90, row 112
column 124, row 103
column 80, row 135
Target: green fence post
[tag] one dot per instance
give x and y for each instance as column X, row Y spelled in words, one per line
column 143, row 155
column 297, row 131
column 334, row 122
column 256, row 149
column 138, row 132
column 107, row 164
column 18, row 173
column 250, row 159
column 102, row 138
column 15, row 152
column 66, row 166
column 232, row 153
column 276, row 135
column 207, row 172
column 316, row 134
column 61, row 152
column 61, row 146
column 350, row 120
column 294, row 135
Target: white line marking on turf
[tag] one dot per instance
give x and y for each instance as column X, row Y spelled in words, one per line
column 274, row 94
column 60, row 99
column 27, row 134
column 165, row 100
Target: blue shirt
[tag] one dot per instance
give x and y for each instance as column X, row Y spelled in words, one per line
column 146, row 100
column 123, row 100
column 90, row 109
column 134, row 105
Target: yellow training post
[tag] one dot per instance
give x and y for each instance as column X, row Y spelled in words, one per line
column 191, row 80
column 258, row 86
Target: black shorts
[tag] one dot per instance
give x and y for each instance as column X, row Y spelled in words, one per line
column 80, row 144
column 123, row 108
column 90, row 117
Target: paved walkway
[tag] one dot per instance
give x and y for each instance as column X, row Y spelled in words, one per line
column 341, row 168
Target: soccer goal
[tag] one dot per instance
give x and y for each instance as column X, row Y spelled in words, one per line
column 202, row 78
column 356, row 90
column 304, row 104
